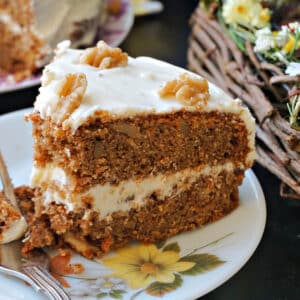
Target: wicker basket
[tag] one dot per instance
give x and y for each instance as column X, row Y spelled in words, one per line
column 261, row 86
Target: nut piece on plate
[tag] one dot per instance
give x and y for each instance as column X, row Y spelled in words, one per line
column 104, row 57
column 12, row 223
column 187, row 89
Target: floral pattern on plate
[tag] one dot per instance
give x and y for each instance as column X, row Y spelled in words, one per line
column 154, row 269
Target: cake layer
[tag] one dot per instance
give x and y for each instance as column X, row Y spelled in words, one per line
column 107, row 199
column 207, row 199
column 134, row 148
column 121, row 92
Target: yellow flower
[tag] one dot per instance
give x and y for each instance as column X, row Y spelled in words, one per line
column 140, row 265
column 262, row 18
column 246, row 11
column 289, row 46
column 237, row 11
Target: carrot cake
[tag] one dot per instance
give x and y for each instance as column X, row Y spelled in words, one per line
column 76, row 20
column 29, row 30
column 131, row 149
column 22, row 49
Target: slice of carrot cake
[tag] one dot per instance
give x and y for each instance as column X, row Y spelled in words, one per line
column 131, row 149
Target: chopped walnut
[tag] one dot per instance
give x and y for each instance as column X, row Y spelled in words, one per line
column 70, row 94
column 104, row 57
column 186, row 89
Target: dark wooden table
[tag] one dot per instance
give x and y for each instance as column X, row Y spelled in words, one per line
column 273, row 272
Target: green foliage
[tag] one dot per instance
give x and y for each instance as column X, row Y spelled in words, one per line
column 158, row 289
column 294, row 109
column 117, row 294
column 159, row 245
column 291, row 55
column 203, row 263
column 172, row 247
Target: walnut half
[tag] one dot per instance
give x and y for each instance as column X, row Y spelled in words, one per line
column 187, row 90
column 70, row 94
column 104, row 57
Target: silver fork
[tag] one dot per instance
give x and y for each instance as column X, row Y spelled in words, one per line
column 34, row 270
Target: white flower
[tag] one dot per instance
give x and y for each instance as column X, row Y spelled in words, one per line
column 91, row 288
column 264, row 40
column 283, row 36
column 293, row 69
column 295, row 26
column 280, row 55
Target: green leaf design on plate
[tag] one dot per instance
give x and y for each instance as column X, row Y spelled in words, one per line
column 117, row 294
column 204, row 262
column 158, row 289
column 101, row 295
column 172, row 247
column 160, row 244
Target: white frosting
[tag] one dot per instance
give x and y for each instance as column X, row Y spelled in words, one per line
column 14, row 232
column 127, row 91
column 128, row 194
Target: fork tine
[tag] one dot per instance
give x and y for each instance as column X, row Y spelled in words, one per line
column 43, row 286
column 54, row 283
column 47, row 282
column 39, row 278
column 8, row 188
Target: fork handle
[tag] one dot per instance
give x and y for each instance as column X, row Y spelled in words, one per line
column 44, row 282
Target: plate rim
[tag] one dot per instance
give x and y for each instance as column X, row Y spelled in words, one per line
column 260, row 227
column 257, row 188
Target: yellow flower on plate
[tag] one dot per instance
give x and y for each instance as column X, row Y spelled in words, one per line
column 245, row 11
column 141, row 264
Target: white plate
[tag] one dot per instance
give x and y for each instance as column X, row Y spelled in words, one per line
column 231, row 240
column 113, row 33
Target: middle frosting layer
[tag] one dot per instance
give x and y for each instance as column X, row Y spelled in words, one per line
column 128, row 194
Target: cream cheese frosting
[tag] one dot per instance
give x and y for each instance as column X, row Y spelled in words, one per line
column 127, row 91
column 108, row 198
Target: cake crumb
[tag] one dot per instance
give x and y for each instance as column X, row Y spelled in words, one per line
column 186, row 89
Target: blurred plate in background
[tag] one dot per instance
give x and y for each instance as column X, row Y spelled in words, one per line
column 113, row 32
